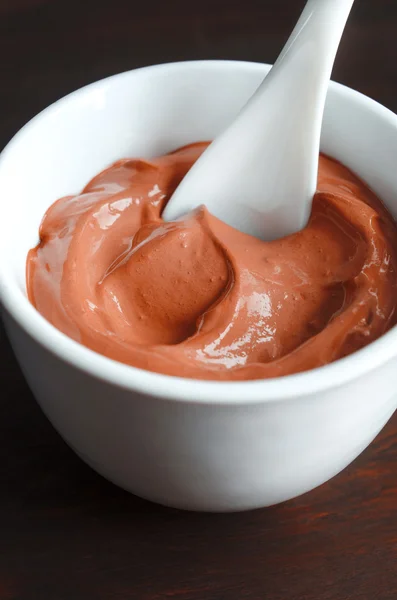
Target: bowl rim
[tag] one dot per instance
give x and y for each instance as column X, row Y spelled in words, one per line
column 169, row 387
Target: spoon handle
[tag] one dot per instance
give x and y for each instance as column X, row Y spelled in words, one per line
column 316, row 36
column 260, row 174
column 289, row 105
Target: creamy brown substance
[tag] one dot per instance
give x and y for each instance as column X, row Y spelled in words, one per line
column 196, row 298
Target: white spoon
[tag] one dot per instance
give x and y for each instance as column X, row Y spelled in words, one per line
column 260, row 175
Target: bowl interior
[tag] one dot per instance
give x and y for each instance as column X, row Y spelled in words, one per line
column 142, row 113
column 151, row 111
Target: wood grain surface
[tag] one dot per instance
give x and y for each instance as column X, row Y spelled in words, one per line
column 67, row 534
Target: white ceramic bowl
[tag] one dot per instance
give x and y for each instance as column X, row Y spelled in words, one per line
column 190, row 444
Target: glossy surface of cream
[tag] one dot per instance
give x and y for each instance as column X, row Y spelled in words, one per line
column 197, row 298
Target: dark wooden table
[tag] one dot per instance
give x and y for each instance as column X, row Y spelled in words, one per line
column 67, row 534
